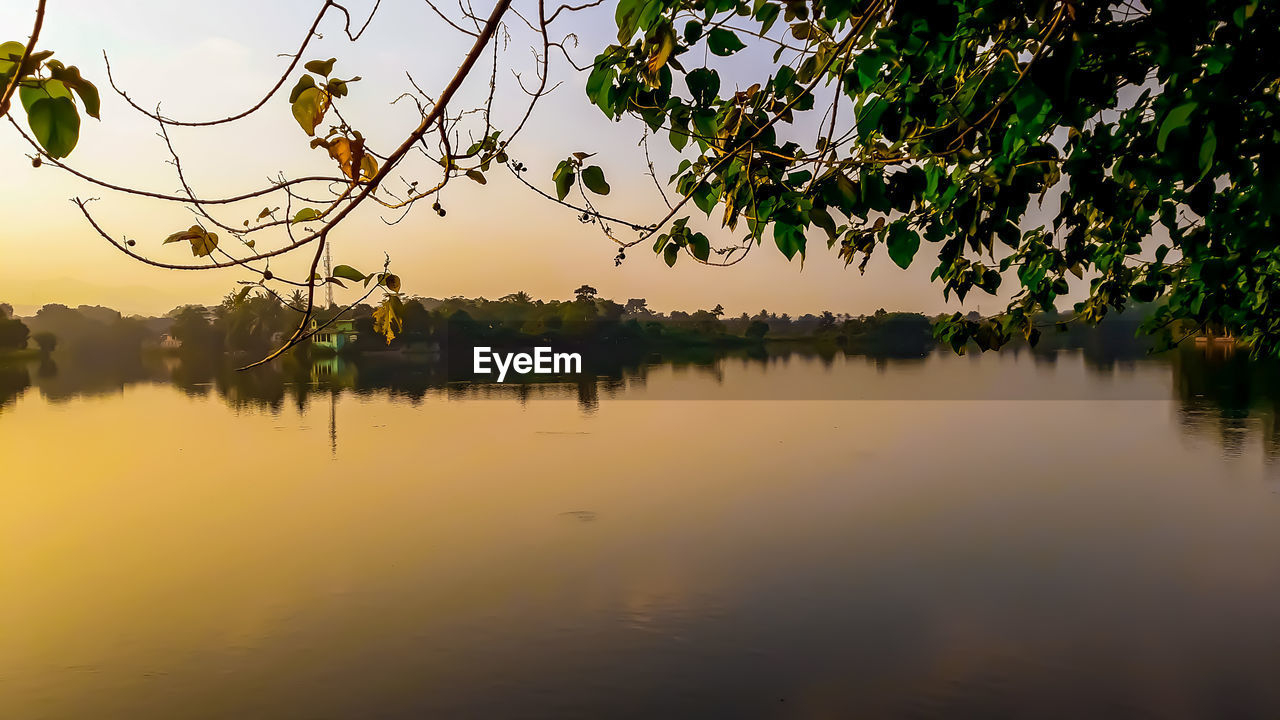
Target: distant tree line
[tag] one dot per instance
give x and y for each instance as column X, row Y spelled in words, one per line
column 253, row 322
column 89, row 331
column 15, row 335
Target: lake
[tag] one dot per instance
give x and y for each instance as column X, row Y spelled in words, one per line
column 1074, row 535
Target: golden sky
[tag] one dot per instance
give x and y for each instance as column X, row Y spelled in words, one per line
column 207, row 60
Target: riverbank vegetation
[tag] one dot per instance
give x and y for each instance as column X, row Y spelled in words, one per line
column 250, row 323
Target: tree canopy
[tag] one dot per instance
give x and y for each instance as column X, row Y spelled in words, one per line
column 1135, row 144
column 1132, row 146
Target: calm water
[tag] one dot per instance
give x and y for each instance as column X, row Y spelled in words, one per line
column 995, row 537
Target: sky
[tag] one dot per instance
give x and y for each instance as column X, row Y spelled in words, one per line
column 206, row 60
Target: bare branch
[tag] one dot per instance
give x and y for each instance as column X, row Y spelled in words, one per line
column 297, row 57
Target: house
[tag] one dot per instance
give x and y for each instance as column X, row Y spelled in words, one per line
column 333, row 372
column 335, row 336
column 169, row 342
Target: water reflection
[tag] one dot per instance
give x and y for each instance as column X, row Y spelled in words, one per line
column 14, row 380
column 1224, row 395
column 345, row 540
column 1221, row 393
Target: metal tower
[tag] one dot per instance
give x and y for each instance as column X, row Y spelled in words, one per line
column 328, row 273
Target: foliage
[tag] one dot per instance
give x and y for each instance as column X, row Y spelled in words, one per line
column 202, row 243
column 244, row 322
column 13, row 333
column 46, row 341
column 1146, row 134
column 48, row 91
column 388, row 318
column 92, row 332
column 193, row 327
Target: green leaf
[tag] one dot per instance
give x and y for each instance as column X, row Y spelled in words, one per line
column 1207, row 150
column 649, row 12
column 821, row 218
column 704, row 196
column 767, row 15
column 670, row 253
column 704, row 85
column 679, row 138
column 306, row 215
column 789, row 238
column 1243, row 13
column 593, row 178
column 477, row 176
column 304, row 82
column 336, row 87
column 56, row 125
column 723, row 42
column 903, row 243
column 390, row 281
column 321, row 67
column 869, row 118
column 70, row 76
column 692, row 31
column 347, row 272
column 10, row 52
column 563, row 177
column 29, row 94
column 1177, row 118
column 627, row 17
column 848, row 195
column 700, row 246
column 599, row 85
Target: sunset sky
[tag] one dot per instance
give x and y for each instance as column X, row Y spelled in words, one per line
column 207, row 60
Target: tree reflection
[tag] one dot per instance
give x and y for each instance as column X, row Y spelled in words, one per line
column 14, row 380
column 1220, row 392
column 1224, row 394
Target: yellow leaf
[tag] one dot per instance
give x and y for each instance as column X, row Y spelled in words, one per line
column 661, row 52
column 310, row 107
column 340, row 150
column 185, row 234
column 202, row 243
column 386, row 318
column 368, row 167
column 354, row 162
